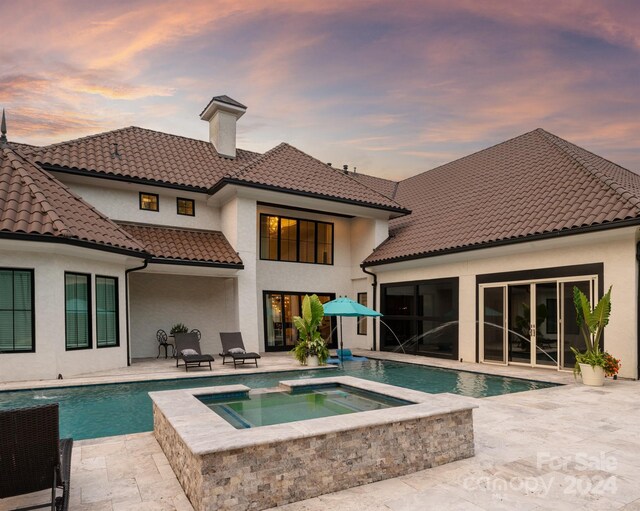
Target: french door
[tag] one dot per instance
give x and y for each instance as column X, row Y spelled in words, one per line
column 531, row 323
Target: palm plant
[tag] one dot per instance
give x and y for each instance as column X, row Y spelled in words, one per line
column 591, row 321
column 310, row 342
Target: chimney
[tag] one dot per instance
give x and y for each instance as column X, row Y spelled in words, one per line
column 222, row 113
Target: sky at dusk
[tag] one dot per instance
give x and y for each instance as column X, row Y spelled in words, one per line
column 393, row 88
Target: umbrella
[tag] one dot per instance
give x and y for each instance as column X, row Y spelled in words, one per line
column 344, row 306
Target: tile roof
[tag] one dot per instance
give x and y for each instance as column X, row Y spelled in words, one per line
column 534, row 184
column 286, row 168
column 34, row 203
column 162, row 158
column 184, row 245
column 379, row 184
column 145, row 154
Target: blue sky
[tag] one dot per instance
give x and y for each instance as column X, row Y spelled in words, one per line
column 392, row 88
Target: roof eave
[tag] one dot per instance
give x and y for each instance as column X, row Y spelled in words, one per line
column 187, row 262
column 509, row 241
column 230, row 181
column 75, row 242
column 115, row 177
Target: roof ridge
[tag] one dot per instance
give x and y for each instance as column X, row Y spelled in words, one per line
column 82, row 139
column 283, row 145
column 601, row 176
column 60, row 184
column 117, row 130
column 497, row 144
column 36, row 192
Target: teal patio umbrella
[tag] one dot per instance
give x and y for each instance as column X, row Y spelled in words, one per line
column 344, row 306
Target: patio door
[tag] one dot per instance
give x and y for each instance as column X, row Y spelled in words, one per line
column 493, row 324
column 531, row 323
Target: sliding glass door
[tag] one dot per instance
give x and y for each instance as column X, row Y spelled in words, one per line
column 531, row 323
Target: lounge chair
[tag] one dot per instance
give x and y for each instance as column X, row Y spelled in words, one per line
column 32, row 456
column 188, row 350
column 233, row 347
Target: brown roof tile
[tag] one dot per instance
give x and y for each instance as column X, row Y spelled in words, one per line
column 379, row 184
column 287, row 168
column 145, row 154
column 183, row 245
column 534, row 184
column 33, row 202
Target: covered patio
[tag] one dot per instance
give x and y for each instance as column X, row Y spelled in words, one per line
column 192, row 279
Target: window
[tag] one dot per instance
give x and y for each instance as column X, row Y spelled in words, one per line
column 107, row 312
column 16, row 311
column 77, row 301
column 280, row 308
column 186, row 207
column 423, row 316
column 295, row 240
column 149, row 201
column 362, row 322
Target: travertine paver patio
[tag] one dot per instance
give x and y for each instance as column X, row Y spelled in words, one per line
column 562, row 448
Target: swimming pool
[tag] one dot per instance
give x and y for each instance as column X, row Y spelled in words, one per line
column 93, row 411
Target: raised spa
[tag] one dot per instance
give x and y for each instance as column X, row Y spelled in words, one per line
column 250, row 410
column 236, row 448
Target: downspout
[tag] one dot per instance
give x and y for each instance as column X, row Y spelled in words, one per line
column 375, row 295
column 638, row 310
column 126, row 298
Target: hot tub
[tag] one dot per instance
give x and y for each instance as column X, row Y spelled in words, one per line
column 236, row 448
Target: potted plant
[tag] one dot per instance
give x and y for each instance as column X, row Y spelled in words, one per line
column 179, row 328
column 611, row 366
column 310, row 349
column 592, row 362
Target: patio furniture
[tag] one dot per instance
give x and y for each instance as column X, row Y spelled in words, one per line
column 188, row 350
column 163, row 342
column 197, row 332
column 233, row 347
column 32, row 456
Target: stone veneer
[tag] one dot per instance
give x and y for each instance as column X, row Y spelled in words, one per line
column 221, row 467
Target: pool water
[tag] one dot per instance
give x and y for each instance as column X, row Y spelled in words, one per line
column 267, row 408
column 93, row 411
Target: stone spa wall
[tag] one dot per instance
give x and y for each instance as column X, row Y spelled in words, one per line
column 268, row 466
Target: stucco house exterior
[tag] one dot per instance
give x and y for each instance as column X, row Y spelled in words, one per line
column 108, row 238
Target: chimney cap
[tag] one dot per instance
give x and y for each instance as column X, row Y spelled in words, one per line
column 224, row 103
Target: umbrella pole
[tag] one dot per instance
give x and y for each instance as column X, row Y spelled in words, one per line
column 341, row 345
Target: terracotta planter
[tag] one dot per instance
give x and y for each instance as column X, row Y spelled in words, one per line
column 312, row 361
column 592, row 376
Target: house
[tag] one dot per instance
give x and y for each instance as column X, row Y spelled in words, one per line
column 108, row 238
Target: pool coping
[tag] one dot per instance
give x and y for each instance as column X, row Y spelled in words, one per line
column 205, row 432
column 144, row 378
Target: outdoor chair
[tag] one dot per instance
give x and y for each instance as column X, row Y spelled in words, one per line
column 188, row 350
column 233, row 347
column 32, row 456
column 163, row 342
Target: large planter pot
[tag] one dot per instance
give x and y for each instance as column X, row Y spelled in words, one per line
column 313, row 361
column 593, row 376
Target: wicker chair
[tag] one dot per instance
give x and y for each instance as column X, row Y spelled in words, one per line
column 32, row 456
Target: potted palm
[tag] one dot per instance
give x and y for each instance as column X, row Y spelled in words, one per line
column 310, row 349
column 591, row 363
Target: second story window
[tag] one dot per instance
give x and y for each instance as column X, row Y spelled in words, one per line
column 186, row 207
column 149, row 201
column 295, row 240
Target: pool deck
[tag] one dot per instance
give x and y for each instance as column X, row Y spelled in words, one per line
column 562, row 448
